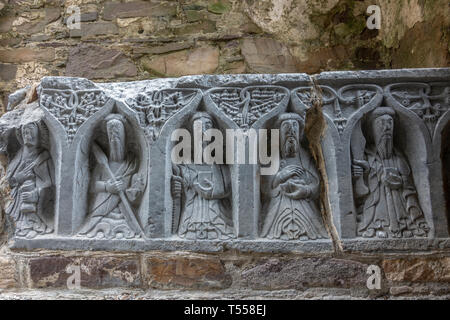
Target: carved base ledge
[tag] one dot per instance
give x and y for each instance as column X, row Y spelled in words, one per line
column 62, row 243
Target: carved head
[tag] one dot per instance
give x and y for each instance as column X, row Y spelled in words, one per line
column 30, row 135
column 115, row 129
column 206, row 120
column 291, row 133
column 382, row 129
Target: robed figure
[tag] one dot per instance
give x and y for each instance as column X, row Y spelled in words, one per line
column 390, row 207
column 31, row 178
column 115, row 187
column 291, row 212
column 201, row 197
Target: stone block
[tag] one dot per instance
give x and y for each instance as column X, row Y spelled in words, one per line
column 95, row 272
column 301, row 273
column 93, row 61
column 8, row 274
column 186, row 272
column 21, row 55
column 132, row 9
column 417, row 269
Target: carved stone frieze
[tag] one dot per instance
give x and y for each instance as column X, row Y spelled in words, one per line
column 357, row 156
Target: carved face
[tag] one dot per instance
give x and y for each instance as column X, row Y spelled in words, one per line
column 30, row 135
column 206, row 123
column 383, row 131
column 116, row 137
column 290, row 135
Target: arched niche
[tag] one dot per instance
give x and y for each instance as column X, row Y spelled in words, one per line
column 412, row 141
column 94, row 135
column 36, row 217
column 223, row 206
column 159, row 200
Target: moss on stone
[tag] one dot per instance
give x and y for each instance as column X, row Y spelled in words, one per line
column 219, row 7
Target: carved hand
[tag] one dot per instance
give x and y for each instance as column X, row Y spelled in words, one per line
column 299, row 191
column 358, row 167
column 290, row 171
column 177, row 185
column 206, row 189
column 21, row 177
column 30, row 196
column 115, row 186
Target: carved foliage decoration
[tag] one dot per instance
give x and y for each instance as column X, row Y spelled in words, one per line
column 245, row 106
column 72, row 108
column 428, row 101
column 341, row 104
column 154, row 108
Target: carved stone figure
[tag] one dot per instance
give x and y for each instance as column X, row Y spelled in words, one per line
column 291, row 211
column 115, row 187
column 201, row 197
column 389, row 207
column 31, row 177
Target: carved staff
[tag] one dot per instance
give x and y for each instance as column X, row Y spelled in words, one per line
column 128, row 211
column 358, row 144
column 176, row 208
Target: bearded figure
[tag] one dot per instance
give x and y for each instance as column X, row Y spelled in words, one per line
column 201, row 196
column 391, row 207
column 31, row 177
column 291, row 211
column 115, row 188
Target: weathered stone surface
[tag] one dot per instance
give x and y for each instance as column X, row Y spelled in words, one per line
column 396, row 291
column 95, row 29
column 186, row 272
column 21, row 55
column 195, row 61
column 264, row 55
column 96, row 62
column 417, row 269
column 7, row 72
column 86, row 17
column 46, row 16
column 162, row 49
column 6, row 22
column 138, row 9
column 278, row 274
column 314, row 201
column 96, row 272
column 7, row 273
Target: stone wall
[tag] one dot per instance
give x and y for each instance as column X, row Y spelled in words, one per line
column 134, row 40
column 138, row 40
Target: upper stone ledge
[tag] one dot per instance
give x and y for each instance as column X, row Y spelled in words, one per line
column 123, row 90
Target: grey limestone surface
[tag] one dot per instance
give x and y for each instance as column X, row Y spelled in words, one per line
column 90, row 166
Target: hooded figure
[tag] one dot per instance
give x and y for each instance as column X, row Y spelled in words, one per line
column 205, row 190
column 106, row 210
column 391, row 207
column 31, row 177
column 291, row 211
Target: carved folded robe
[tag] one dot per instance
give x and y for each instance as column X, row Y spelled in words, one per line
column 289, row 217
column 205, row 218
column 392, row 202
column 105, row 210
column 31, row 218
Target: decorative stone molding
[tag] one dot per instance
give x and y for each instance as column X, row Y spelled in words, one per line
column 363, row 164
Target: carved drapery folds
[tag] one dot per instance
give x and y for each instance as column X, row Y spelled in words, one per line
column 89, row 165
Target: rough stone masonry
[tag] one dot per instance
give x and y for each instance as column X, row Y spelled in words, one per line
column 362, row 180
column 262, row 250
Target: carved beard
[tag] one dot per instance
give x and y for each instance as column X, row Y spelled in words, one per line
column 385, row 146
column 290, row 146
column 117, row 150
